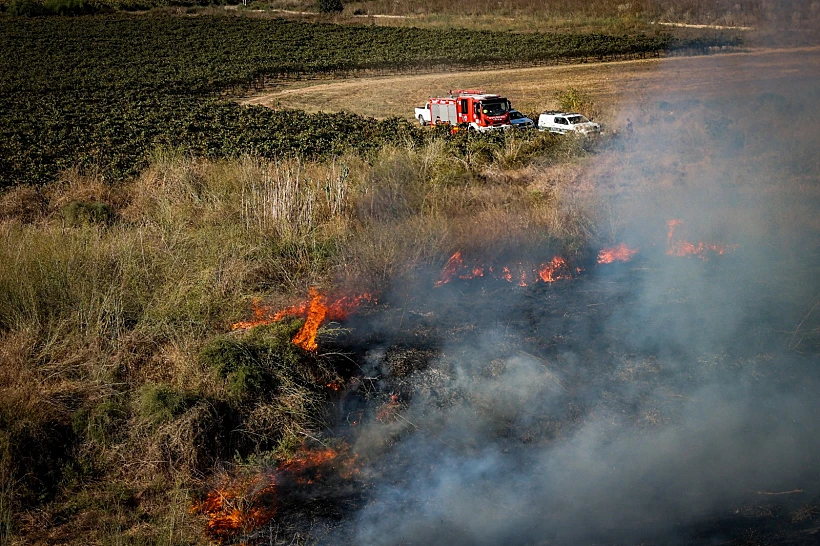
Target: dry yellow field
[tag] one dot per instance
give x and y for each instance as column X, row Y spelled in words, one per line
column 611, row 85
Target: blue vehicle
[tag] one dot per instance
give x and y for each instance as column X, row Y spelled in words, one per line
column 519, row 120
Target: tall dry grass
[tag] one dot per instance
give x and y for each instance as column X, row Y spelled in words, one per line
column 105, row 321
column 191, row 238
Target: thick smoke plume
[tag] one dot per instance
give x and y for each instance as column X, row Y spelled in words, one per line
column 662, row 401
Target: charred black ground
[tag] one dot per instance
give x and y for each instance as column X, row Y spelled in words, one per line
column 628, row 405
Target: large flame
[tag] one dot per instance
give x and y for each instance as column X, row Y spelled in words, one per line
column 676, row 247
column 619, row 253
column 315, row 310
column 246, row 503
column 520, row 273
column 451, row 269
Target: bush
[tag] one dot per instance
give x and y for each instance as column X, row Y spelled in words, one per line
column 267, row 359
column 275, row 388
column 27, row 8
column 101, row 424
column 574, row 100
column 330, row 6
column 159, row 403
column 237, row 362
column 79, row 213
column 69, row 7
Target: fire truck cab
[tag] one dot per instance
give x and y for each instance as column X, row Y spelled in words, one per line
column 473, row 109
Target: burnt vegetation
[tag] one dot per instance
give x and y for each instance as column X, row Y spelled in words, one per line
column 663, row 398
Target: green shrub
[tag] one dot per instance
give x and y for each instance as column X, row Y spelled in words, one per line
column 78, row 213
column 70, row 7
column 266, row 358
column 275, row 388
column 574, row 100
column 102, row 424
column 237, row 362
column 26, row 8
column 159, row 403
column 330, row 6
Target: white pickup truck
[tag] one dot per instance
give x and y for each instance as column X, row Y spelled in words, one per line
column 423, row 115
column 567, row 122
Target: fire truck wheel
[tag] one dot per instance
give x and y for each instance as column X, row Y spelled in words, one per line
column 421, row 120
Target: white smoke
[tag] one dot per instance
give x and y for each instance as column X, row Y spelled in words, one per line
column 648, row 403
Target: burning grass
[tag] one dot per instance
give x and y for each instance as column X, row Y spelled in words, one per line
column 315, row 310
column 244, row 503
column 677, row 247
column 520, row 273
column 238, row 507
column 122, row 368
column 619, row 253
column 117, row 363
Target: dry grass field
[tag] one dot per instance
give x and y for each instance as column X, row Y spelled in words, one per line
column 615, row 86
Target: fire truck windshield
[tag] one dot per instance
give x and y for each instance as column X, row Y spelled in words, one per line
column 495, row 108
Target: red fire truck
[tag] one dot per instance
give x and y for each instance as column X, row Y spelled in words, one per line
column 468, row 108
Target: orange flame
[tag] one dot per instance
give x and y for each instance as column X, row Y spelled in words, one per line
column 522, row 278
column 554, row 270
column 315, row 310
column 307, row 466
column 451, row 269
column 685, row 248
column 247, row 503
column 242, row 506
column 619, row 253
column 389, row 410
column 670, row 233
column 521, row 274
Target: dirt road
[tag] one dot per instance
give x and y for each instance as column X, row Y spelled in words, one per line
column 611, row 85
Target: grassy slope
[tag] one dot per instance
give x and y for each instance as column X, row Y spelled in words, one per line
column 107, row 320
column 117, row 369
column 552, row 15
column 116, row 406
column 755, row 19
